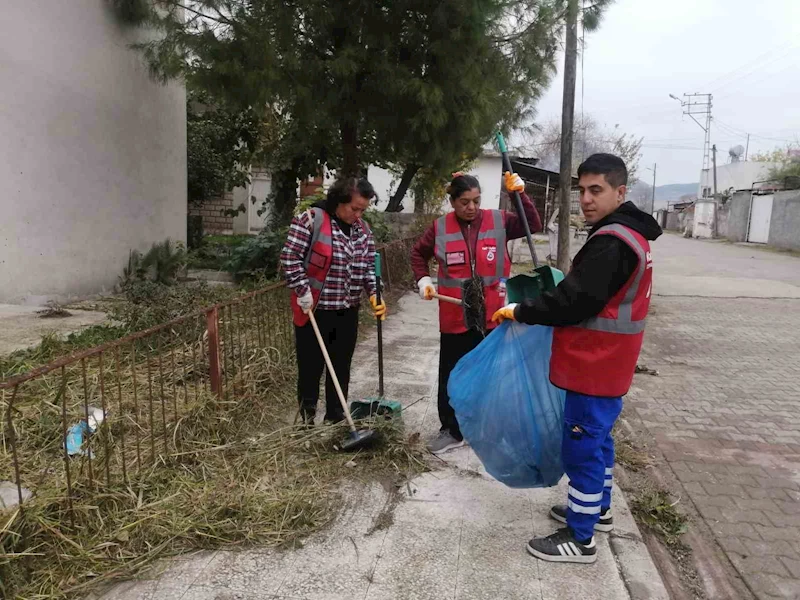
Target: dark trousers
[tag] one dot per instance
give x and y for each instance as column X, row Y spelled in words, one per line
column 339, row 329
column 452, row 348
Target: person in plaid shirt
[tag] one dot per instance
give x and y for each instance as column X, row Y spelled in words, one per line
column 328, row 261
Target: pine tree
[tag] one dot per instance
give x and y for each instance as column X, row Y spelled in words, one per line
column 348, row 83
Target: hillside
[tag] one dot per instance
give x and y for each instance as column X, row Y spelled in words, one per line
column 671, row 192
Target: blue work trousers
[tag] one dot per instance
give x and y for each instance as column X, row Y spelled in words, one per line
column 588, row 454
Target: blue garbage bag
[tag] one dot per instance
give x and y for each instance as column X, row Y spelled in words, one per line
column 506, row 407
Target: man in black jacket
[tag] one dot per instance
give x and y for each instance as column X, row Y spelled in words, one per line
column 598, row 312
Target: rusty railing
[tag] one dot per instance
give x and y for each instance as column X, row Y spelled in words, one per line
column 95, row 417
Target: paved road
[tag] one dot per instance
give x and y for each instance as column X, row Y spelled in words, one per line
column 725, row 410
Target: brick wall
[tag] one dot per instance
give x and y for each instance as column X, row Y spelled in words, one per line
column 310, row 187
column 213, row 212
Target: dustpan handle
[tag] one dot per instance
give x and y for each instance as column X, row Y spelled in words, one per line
column 331, row 372
column 501, row 142
column 379, row 323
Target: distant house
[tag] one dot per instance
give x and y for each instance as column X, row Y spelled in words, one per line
column 92, row 151
column 732, row 177
column 540, row 184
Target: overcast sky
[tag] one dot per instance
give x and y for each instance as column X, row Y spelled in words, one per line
column 745, row 53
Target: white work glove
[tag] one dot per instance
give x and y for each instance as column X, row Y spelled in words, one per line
column 306, row 302
column 426, row 289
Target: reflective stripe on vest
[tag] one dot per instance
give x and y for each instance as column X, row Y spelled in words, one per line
column 316, row 236
column 623, row 324
column 498, row 232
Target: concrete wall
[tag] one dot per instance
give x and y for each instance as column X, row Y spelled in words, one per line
column 739, row 212
column 686, row 221
column 488, row 170
column 673, row 221
column 736, row 176
column 92, row 151
column 784, row 228
column 705, row 217
column 405, row 224
column 723, row 218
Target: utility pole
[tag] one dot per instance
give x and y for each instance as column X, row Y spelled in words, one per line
column 747, row 148
column 714, row 149
column 700, row 105
column 567, row 120
column 653, row 201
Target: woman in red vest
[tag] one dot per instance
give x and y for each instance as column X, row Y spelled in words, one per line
column 328, row 261
column 599, row 313
column 468, row 242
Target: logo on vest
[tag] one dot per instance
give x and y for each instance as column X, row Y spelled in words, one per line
column 648, row 259
column 490, row 252
column 455, row 258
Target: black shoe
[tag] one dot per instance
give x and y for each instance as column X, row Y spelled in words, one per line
column 563, row 547
column 605, row 524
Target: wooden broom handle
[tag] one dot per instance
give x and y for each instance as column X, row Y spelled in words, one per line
column 449, row 299
column 331, row 371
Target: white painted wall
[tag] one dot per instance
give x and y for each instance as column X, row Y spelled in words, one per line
column 260, row 189
column 738, row 175
column 488, row 170
column 705, row 215
column 92, row 151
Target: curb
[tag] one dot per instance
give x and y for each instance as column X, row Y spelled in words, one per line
column 637, row 567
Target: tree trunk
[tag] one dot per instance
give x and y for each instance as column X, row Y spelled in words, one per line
column 285, row 196
column 396, row 200
column 349, row 133
column 419, row 204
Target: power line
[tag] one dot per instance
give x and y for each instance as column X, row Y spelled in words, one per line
column 736, row 130
column 754, row 62
column 756, row 69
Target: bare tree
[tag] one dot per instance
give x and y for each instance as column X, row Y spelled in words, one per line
column 589, row 138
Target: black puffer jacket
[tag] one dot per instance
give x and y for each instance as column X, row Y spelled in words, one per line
column 598, row 272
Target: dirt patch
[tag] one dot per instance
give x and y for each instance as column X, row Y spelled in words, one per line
column 657, row 514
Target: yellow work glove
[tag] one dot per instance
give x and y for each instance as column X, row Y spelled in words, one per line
column 505, row 313
column 513, row 182
column 378, row 309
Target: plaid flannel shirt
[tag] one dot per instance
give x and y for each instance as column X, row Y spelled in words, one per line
column 352, row 265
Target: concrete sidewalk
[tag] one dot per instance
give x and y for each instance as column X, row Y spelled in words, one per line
column 22, row 327
column 456, row 533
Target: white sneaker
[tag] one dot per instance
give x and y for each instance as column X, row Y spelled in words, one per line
column 444, row 442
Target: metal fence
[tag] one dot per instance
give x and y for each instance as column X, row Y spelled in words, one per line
column 93, row 418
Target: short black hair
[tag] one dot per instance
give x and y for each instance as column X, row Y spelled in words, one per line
column 462, row 184
column 342, row 190
column 609, row 165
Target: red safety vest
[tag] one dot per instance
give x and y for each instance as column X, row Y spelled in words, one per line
column 491, row 263
column 317, row 262
column 598, row 357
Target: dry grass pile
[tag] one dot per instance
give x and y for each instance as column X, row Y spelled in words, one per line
column 227, row 472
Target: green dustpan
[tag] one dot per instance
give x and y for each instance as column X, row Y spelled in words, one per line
column 530, row 286
column 544, row 278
